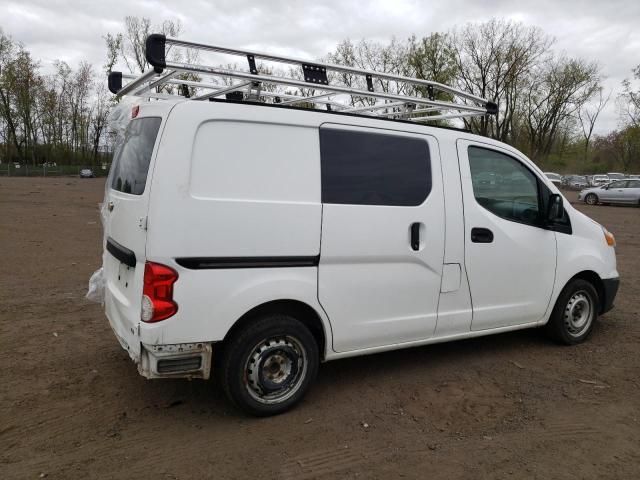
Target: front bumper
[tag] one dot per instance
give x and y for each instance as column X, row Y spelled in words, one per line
column 610, row 289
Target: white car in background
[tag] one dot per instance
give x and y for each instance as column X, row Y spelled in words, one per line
column 620, row 191
column 555, row 178
column 616, row 176
column 599, row 180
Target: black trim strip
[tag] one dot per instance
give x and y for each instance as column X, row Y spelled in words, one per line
column 126, row 256
column 201, row 263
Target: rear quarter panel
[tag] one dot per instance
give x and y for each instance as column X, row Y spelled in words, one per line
column 233, row 181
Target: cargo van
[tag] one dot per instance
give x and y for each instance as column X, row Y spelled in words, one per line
column 257, row 240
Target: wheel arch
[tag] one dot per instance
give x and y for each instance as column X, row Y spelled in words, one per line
column 297, row 309
column 594, row 194
column 594, row 279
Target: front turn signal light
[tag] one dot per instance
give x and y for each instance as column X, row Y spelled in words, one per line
column 608, row 236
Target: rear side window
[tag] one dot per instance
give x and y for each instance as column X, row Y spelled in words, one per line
column 131, row 162
column 361, row 168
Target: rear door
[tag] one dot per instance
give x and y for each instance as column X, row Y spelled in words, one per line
column 632, row 192
column 615, row 192
column 127, row 202
column 382, row 235
column 510, row 259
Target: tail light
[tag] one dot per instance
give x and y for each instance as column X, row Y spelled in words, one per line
column 157, row 292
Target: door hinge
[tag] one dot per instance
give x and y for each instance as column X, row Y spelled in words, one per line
column 142, row 223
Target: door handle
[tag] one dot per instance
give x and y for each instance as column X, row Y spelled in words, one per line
column 415, row 236
column 481, row 235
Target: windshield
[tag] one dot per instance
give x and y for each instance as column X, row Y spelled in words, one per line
column 132, row 158
column 553, row 176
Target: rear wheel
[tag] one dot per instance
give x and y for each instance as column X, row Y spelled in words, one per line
column 268, row 366
column 591, row 199
column 575, row 312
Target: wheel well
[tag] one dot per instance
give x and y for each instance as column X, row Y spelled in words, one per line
column 594, row 279
column 300, row 310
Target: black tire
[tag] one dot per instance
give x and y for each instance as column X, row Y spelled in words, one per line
column 570, row 322
column 286, row 355
column 591, row 199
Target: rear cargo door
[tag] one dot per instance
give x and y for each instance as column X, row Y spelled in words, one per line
column 127, row 202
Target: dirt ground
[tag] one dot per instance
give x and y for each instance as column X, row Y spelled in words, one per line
column 508, row 406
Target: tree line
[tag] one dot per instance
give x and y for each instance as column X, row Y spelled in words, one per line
column 549, row 102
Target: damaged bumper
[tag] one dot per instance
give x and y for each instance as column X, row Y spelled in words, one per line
column 183, row 360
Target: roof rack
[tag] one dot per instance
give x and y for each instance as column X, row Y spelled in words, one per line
column 315, row 79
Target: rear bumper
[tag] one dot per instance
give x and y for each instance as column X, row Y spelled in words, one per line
column 610, row 289
column 183, row 360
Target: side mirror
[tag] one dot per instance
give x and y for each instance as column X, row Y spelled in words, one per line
column 555, row 208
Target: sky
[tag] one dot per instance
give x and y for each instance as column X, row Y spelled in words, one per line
column 72, row 30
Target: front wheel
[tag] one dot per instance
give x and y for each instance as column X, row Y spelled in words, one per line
column 574, row 314
column 591, row 199
column 269, row 365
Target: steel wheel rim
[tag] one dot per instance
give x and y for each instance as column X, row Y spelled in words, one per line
column 578, row 313
column 275, row 369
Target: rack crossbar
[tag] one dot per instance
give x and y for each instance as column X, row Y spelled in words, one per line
column 315, row 81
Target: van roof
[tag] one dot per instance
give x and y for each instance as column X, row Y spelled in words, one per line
column 293, row 115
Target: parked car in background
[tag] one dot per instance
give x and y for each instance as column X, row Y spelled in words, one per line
column 576, row 182
column 599, row 180
column 634, row 177
column 616, row 176
column 619, row 191
column 86, row 173
column 555, row 178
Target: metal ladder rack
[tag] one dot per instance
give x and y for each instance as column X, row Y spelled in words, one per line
column 315, row 77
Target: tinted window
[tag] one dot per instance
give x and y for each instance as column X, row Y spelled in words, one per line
column 132, row 158
column 634, row 184
column 504, row 186
column 618, row 184
column 373, row 169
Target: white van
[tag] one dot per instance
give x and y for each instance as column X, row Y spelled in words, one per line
column 258, row 241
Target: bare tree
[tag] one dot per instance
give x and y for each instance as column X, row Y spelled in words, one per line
column 114, row 47
column 132, row 42
column 433, row 58
column 588, row 115
column 629, row 101
column 555, row 92
column 99, row 116
column 494, row 60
